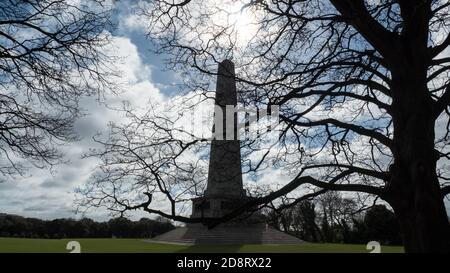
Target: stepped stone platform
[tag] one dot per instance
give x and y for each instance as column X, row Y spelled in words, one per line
column 198, row 234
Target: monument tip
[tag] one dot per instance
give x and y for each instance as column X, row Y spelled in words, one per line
column 226, row 67
column 227, row 61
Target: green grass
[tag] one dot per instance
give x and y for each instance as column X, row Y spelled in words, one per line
column 140, row 246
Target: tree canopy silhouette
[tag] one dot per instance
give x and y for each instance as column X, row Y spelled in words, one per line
column 363, row 92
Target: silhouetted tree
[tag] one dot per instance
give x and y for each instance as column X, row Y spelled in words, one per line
column 119, row 227
column 374, row 224
column 272, row 218
column 381, row 225
column 364, row 100
column 305, row 220
column 328, row 232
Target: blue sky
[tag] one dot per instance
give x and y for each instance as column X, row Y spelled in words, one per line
column 135, row 31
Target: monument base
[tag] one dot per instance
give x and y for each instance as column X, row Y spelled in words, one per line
column 242, row 230
column 216, row 207
column 226, row 234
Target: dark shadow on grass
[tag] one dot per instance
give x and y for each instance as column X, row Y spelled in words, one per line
column 211, row 249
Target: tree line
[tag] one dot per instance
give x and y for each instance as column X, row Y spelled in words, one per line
column 334, row 219
column 121, row 227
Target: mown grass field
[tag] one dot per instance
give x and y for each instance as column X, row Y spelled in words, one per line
column 140, row 246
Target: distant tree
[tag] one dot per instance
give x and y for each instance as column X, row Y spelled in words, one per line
column 338, row 220
column 120, row 227
column 53, row 228
column 337, row 214
column 17, row 226
column 272, row 218
column 162, row 225
column 86, row 227
column 51, row 54
column 100, row 230
column 144, row 228
column 382, row 225
column 36, row 228
column 358, row 234
column 328, row 234
column 299, row 220
column 305, row 217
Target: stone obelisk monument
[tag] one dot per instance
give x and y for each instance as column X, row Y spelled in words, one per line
column 224, row 190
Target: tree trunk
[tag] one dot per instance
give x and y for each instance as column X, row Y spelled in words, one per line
column 413, row 190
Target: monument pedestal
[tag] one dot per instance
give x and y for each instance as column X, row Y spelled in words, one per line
column 226, row 234
column 216, row 207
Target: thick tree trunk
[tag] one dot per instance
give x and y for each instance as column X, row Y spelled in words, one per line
column 414, row 191
column 424, row 231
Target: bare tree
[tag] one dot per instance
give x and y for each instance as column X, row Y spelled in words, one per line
column 364, row 102
column 50, row 56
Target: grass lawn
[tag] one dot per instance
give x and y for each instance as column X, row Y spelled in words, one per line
column 140, row 246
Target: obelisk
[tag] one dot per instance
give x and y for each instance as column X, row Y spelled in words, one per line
column 224, row 190
column 225, row 173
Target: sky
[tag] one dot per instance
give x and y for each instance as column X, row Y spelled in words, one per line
column 50, row 194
